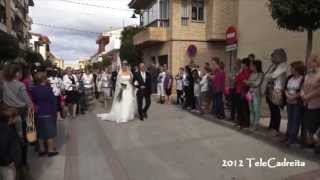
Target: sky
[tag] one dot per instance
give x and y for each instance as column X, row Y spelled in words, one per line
column 73, row 45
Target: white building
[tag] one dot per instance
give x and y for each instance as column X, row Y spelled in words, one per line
column 40, row 44
column 113, row 48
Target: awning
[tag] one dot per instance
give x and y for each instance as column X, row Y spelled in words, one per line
column 139, row 4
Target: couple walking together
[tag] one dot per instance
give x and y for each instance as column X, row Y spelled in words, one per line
column 132, row 89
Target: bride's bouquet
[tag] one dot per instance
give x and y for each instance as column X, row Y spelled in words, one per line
column 122, row 88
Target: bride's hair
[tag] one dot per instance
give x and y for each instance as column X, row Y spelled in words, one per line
column 124, row 63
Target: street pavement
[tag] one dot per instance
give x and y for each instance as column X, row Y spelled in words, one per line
column 171, row 144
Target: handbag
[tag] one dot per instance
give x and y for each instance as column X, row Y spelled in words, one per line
column 31, row 131
column 277, row 95
column 249, row 96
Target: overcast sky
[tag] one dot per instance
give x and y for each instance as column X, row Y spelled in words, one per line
column 72, row 45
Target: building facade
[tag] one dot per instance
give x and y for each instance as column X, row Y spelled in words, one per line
column 101, row 41
column 14, row 19
column 113, row 48
column 178, row 32
column 40, row 44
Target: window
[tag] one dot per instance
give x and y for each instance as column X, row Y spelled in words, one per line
column 184, row 12
column 157, row 14
column 163, row 60
column 198, row 10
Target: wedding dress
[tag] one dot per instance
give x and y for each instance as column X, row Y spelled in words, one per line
column 124, row 101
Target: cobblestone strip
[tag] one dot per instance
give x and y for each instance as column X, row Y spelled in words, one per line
column 71, row 170
column 117, row 169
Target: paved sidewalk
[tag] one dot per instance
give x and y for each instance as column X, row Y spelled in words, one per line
column 171, row 145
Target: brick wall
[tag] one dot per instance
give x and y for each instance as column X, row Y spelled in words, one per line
column 221, row 14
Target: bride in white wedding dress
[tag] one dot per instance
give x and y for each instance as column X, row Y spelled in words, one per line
column 124, row 101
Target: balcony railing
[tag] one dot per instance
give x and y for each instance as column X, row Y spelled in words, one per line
column 184, row 21
column 151, row 35
column 159, row 23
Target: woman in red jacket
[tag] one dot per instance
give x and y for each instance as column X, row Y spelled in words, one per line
column 241, row 91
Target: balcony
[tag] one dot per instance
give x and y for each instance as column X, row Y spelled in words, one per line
column 155, row 32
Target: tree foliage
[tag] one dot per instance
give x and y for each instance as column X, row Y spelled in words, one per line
column 296, row 15
column 106, row 61
column 9, row 47
column 33, row 57
column 127, row 50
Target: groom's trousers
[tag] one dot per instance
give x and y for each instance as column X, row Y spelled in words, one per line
column 140, row 96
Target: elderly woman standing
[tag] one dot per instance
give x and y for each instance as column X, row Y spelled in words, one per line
column 311, row 96
column 45, row 114
column 15, row 95
column 275, row 80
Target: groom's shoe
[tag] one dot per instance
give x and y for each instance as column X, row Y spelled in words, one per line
column 141, row 118
column 145, row 115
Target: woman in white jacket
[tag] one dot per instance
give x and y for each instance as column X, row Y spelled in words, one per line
column 71, row 84
column 88, row 82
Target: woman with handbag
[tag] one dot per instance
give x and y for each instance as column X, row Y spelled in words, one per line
column 45, row 114
column 275, row 79
column 254, row 95
column 15, row 95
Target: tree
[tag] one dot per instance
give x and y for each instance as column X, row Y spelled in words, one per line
column 97, row 65
column 9, row 47
column 127, row 50
column 297, row 15
column 33, row 57
column 106, row 61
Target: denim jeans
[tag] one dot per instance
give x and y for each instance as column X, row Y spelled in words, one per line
column 7, row 173
column 295, row 112
column 218, row 104
column 255, row 109
column 198, row 103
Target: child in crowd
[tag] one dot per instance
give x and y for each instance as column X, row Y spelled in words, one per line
column 179, row 85
column 168, row 82
column 196, row 90
column 160, row 86
column 10, row 144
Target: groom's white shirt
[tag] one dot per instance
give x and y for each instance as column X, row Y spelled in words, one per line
column 143, row 75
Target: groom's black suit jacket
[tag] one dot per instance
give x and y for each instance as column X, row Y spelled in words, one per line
column 137, row 77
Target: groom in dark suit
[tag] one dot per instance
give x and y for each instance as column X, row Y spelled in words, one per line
column 142, row 81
